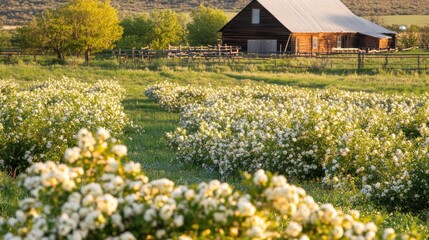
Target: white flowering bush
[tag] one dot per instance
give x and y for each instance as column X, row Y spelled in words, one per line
column 97, row 194
column 375, row 142
column 39, row 123
column 173, row 97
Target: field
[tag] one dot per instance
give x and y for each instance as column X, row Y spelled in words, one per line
column 149, row 146
column 406, row 20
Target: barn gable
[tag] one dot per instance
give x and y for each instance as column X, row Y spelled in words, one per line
column 240, row 29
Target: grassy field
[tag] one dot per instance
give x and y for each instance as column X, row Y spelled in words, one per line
column 149, row 147
column 407, row 20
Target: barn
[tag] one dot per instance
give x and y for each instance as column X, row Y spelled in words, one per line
column 303, row 26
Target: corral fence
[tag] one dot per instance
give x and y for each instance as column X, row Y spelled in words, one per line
column 340, row 59
column 8, row 53
column 345, row 59
column 188, row 52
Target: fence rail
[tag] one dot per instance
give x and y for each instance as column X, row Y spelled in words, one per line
column 342, row 60
column 219, row 51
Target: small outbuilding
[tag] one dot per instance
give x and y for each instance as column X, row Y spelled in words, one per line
column 303, row 26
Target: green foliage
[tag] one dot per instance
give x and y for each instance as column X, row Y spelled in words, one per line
column 157, row 30
column 205, row 24
column 5, row 39
column 137, row 32
column 168, row 28
column 95, row 25
column 81, row 26
column 424, row 37
column 409, row 38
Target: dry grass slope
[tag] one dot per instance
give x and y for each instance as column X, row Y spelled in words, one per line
column 17, row 12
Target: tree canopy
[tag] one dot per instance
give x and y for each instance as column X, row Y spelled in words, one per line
column 168, row 28
column 157, row 30
column 137, row 32
column 80, row 26
column 205, row 24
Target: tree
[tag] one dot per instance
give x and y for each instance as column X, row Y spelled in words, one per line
column 95, row 25
column 424, row 37
column 137, row 32
column 205, row 25
column 409, row 38
column 54, row 32
column 167, row 28
column 5, row 39
column 83, row 26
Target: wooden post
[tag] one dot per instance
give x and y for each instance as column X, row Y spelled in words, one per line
column 132, row 53
column 418, row 62
column 359, row 61
column 386, row 61
column 142, row 56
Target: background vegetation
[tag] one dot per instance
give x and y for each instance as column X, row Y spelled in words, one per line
column 17, row 12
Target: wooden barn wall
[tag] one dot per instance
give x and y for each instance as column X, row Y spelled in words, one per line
column 375, row 43
column 326, row 41
column 241, row 29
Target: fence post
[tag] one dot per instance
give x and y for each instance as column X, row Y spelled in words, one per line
column 418, row 62
column 359, row 60
column 386, row 61
column 133, row 52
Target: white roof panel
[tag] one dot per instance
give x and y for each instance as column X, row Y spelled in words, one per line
column 309, row 16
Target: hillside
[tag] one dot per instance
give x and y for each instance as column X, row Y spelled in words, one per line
column 17, row 12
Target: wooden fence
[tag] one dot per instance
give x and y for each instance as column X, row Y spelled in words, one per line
column 206, row 52
column 354, row 60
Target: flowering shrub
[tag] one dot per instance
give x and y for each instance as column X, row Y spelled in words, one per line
column 376, row 142
column 97, row 194
column 173, row 97
column 40, row 123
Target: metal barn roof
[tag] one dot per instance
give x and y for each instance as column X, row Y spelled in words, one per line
column 310, row 16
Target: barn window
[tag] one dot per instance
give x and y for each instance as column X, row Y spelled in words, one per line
column 315, row 42
column 339, row 42
column 256, row 16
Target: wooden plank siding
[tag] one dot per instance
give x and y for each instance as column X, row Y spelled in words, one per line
column 326, row 41
column 368, row 42
column 240, row 28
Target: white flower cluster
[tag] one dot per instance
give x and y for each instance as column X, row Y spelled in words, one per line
column 173, row 97
column 377, row 142
column 40, row 123
column 97, row 195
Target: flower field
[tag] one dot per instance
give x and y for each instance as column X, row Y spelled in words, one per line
column 39, row 123
column 98, row 194
column 375, row 142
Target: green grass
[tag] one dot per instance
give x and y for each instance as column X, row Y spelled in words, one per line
column 406, row 20
column 148, row 146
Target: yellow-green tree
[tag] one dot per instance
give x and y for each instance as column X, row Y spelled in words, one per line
column 80, row 26
column 167, row 29
column 54, row 32
column 205, row 24
column 95, row 25
column 137, row 32
column 48, row 32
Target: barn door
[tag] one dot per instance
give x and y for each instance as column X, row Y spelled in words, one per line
column 262, row 46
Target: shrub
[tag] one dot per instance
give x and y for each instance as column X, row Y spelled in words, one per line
column 40, row 123
column 377, row 143
column 97, row 194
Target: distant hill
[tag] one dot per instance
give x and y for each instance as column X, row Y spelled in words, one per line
column 17, row 12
